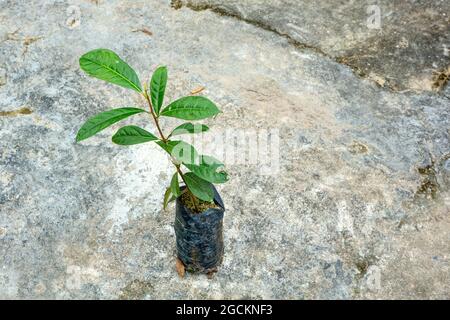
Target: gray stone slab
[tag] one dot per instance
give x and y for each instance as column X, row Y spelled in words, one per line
column 358, row 209
column 402, row 45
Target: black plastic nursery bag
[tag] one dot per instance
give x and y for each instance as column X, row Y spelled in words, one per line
column 200, row 236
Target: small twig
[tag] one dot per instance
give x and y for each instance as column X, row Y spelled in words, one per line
column 13, row 113
column 143, row 30
column 198, row 90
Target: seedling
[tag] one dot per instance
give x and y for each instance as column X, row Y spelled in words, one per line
column 198, row 194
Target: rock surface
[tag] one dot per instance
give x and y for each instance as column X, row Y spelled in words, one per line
column 359, row 207
column 402, row 45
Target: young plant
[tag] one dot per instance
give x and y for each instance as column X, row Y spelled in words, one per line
column 204, row 170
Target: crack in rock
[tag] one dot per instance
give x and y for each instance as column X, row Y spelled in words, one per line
column 178, row 4
column 377, row 58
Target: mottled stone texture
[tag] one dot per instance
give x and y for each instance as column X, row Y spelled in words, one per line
column 402, row 45
column 358, row 209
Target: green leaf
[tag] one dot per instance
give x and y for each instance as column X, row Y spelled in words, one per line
column 158, row 87
column 168, row 197
column 191, row 108
column 208, row 170
column 181, row 151
column 129, row 135
column 106, row 65
column 210, row 161
column 200, row 188
column 175, row 186
column 103, row 120
column 189, row 128
column 168, row 146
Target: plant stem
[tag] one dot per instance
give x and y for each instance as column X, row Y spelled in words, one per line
column 155, row 118
column 164, row 139
column 191, row 195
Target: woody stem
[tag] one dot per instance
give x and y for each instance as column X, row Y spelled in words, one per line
column 164, row 139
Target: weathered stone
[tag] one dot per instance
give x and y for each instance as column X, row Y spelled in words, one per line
column 358, row 209
column 398, row 44
column 2, row 77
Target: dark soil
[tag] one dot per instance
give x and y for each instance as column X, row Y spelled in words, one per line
column 186, row 200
